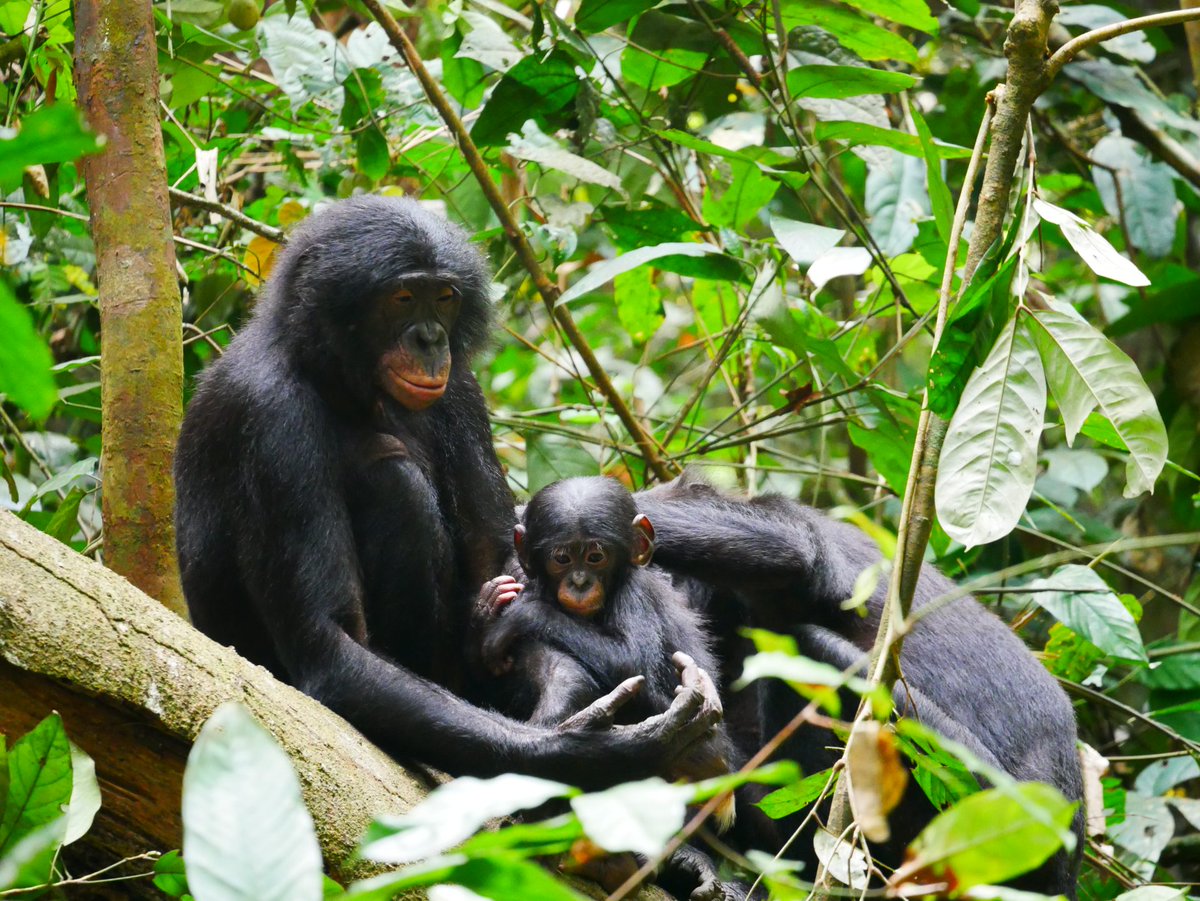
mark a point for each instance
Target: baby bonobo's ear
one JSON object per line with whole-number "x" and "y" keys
{"x": 643, "y": 540}
{"x": 519, "y": 544}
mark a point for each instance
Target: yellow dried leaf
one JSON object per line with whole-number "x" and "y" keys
{"x": 258, "y": 259}
{"x": 291, "y": 212}
{"x": 877, "y": 778}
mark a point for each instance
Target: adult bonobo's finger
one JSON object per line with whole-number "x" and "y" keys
{"x": 691, "y": 676}
{"x": 601, "y": 713}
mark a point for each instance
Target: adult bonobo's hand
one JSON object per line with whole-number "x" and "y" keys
{"x": 664, "y": 737}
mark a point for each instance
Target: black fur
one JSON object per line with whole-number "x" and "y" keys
{"x": 337, "y": 537}
{"x": 773, "y": 563}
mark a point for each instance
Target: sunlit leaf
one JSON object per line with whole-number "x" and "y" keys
{"x": 855, "y": 133}
{"x": 1101, "y": 257}
{"x": 853, "y": 31}
{"x": 535, "y": 88}
{"x": 603, "y": 273}
{"x": 786, "y": 801}
{"x": 804, "y": 241}
{"x": 1088, "y": 372}
{"x": 25, "y": 359}
{"x": 1138, "y": 191}
{"x": 989, "y": 458}
{"x": 635, "y": 816}
{"x": 246, "y": 833}
{"x": 85, "y": 796}
{"x": 1078, "y": 598}
{"x": 39, "y": 785}
{"x": 52, "y": 134}
{"x": 845, "y": 81}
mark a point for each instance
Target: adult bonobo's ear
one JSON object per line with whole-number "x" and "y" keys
{"x": 643, "y": 540}
{"x": 522, "y": 549}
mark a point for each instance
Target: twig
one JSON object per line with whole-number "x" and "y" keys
{"x": 237, "y": 217}
{"x": 547, "y": 289}
{"x": 1076, "y": 45}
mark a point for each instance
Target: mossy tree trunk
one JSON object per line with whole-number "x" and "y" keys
{"x": 141, "y": 362}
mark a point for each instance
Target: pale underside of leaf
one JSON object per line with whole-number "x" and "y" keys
{"x": 1088, "y": 372}
{"x": 989, "y": 458}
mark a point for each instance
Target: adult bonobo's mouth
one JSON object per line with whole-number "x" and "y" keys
{"x": 415, "y": 392}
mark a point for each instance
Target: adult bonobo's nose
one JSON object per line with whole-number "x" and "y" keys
{"x": 430, "y": 336}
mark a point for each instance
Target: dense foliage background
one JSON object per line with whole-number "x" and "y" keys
{"x": 748, "y": 209}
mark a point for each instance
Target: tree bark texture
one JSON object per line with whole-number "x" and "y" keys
{"x": 141, "y": 365}
{"x": 134, "y": 683}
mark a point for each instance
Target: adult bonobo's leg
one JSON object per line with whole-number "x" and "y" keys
{"x": 964, "y": 671}
{"x": 340, "y": 505}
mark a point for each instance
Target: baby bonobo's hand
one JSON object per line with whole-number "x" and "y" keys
{"x": 494, "y": 596}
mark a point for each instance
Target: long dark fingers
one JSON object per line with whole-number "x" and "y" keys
{"x": 601, "y": 713}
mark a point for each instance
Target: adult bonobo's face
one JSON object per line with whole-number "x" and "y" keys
{"x": 416, "y": 320}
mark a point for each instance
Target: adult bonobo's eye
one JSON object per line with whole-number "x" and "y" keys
{"x": 447, "y": 294}
{"x": 403, "y": 295}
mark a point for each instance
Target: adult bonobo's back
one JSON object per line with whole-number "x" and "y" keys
{"x": 340, "y": 504}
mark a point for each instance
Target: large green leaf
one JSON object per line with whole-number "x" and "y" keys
{"x": 639, "y": 303}
{"x": 791, "y": 798}
{"x": 30, "y": 862}
{"x": 665, "y": 50}
{"x": 53, "y": 134}
{"x": 992, "y": 836}
{"x": 853, "y": 31}
{"x": 1088, "y": 372}
{"x": 845, "y": 81}
{"x": 39, "y": 782}
{"x": 246, "y": 833}
{"x": 1078, "y": 598}
{"x": 749, "y": 190}
{"x": 913, "y": 13}
{"x": 989, "y": 458}
{"x": 535, "y": 88}
{"x": 804, "y": 241}
{"x": 855, "y": 133}
{"x": 1137, "y": 191}
{"x": 500, "y": 877}
{"x": 597, "y": 15}
{"x": 85, "y": 796}
{"x": 1093, "y": 248}
{"x": 939, "y": 195}
{"x": 25, "y": 359}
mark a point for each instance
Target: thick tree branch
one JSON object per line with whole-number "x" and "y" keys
{"x": 1075, "y": 46}
{"x": 549, "y": 292}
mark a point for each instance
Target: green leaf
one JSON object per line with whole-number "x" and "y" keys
{"x": 854, "y": 32}
{"x": 246, "y": 833}
{"x": 854, "y": 133}
{"x": 748, "y": 192}
{"x": 781, "y": 772}
{"x": 1078, "y": 598}
{"x": 897, "y": 199}
{"x": 25, "y": 359}
{"x": 1137, "y": 191}
{"x": 913, "y": 13}
{"x": 989, "y": 458}
{"x": 533, "y": 146}
{"x": 665, "y": 50}
{"x": 804, "y": 241}
{"x": 791, "y": 798}
{"x": 551, "y": 458}
{"x": 85, "y": 795}
{"x": 641, "y": 227}
{"x": 1093, "y": 248}
{"x": 499, "y": 877}
{"x": 833, "y": 82}
{"x": 635, "y": 816}
{"x": 939, "y": 194}
{"x": 452, "y": 813}
{"x": 52, "y": 134}
{"x": 597, "y": 15}
{"x": 30, "y": 862}
{"x": 374, "y": 160}
{"x": 765, "y": 156}
{"x": 603, "y": 273}
{"x": 992, "y": 836}
{"x": 534, "y": 88}
{"x": 639, "y": 303}
{"x": 170, "y": 875}
{"x": 1088, "y": 372}
{"x": 464, "y": 78}
{"x": 39, "y": 782}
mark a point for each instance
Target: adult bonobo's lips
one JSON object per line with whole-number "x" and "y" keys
{"x": 416, "y": 393}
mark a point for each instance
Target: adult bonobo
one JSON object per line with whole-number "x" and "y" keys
{"x": 340, "y": 504}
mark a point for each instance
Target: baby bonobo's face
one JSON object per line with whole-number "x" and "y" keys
{"x": 583, "y": 571}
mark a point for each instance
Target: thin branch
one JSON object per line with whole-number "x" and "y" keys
{"x": 549, "y": 292}
{"x": 237, "y": 217}
{"x": 1077, "y": 45}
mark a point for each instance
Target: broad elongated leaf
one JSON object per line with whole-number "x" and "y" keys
{"x": 53, "y": 134}
{"x": 1078, "y": 598}
{"x": 665, "y": 50}
{"x": 1138, "y": 191}
{"x": 939, "y": 195}
{"x": 991, "y": 836}
{"x": 1101, "y": 257}
{"x": 989, "y": 458}
{"x": 636, "y": 816}
{"x": 534, "y": 88}
{"x": 25, "y": 359}
{"x": 85, "y": 795}
{"x": 845, "y": 81}
{"x": 453, "y": 812}
{"x": 789, "y": 799}
{"x": 603, "y": 273}
{"x": 39, "y": 787}
{"x": 533, "y": 146}
{"x": 246, "y": 833}
{"x": 853, "y": 31}
{"x": 863, "y": 133}
{"x": 749, "y": 190}
{"x": 30, "y": 862}
{"x": 597, "y": 15}
{"x": 896, "y": 199}
{"x": 913, "y": 13}
{"x": 804, "y": 241}
{"x": 1088, "y": 372}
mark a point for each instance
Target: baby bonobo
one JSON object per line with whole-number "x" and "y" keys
{"x": 590, "y": 616}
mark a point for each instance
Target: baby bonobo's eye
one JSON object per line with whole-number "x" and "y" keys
{"x": 560, "y": 556}
{"x": 596, "y": 556}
